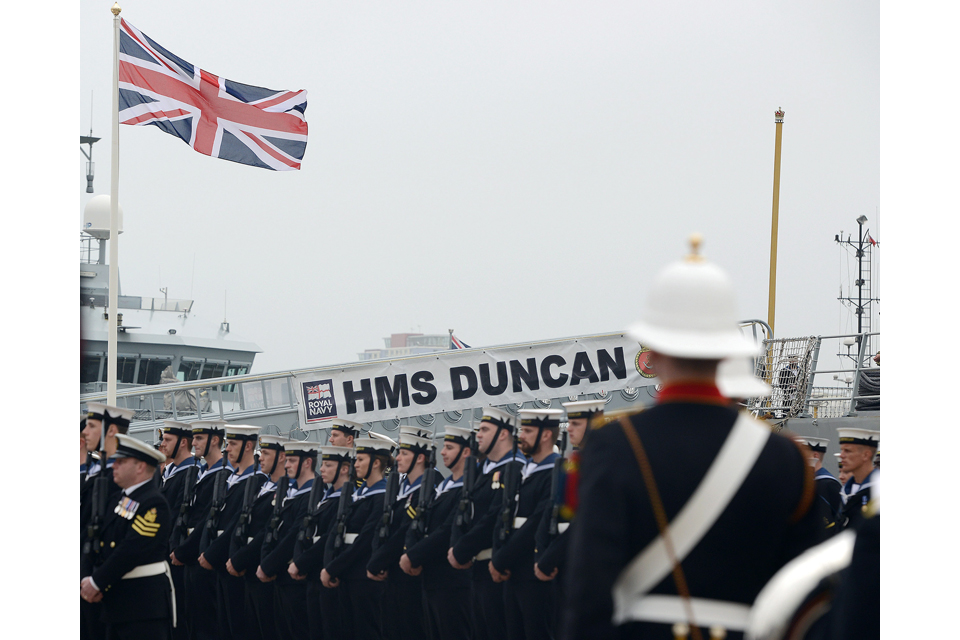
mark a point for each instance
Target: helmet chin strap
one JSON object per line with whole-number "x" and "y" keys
{"x": 459, "y": 455}
{"x": 276, "y": 459}
{"x": 493, "y": 442}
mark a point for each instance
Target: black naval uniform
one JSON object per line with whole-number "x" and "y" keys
{"x": 290, "y": 596}
{"x": 527, "y": 600}
{"x": 551, "y": 551}
{"x": 829, "y": 502}
{"x": 856, "y": 497}
{"x": 360, "y": 596}
{"x": 91, "y": 626}
{"x": 768, "y": 521}
{"x": 200, "y": 585}
{"x": 230, "y": 589}
{"x": 134, "y": 538}
{"x": 245, "y": 548}
{"x": 172, "y": 485}
{"x": 487, "y": 499}
{"x": 403, "y": 607}
{"x": 324, "y": 612}
{"x": 446, "y": 591}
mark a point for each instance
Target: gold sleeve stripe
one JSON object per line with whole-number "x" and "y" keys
{"x": 146, "y": 525}
{"x": 144, "y": 532}
{"x": 411, "y": 512}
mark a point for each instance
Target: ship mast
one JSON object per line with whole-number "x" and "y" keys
{"x": 862, "y": 304}
{"x": 772, "y": 300}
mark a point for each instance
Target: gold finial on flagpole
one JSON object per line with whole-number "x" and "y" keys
{"x": 695, "y": 241}
{"x": 115, "y": 9}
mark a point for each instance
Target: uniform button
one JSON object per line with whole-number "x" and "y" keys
{"x": 113, "y": 544}
{"x": 101, "y": 545}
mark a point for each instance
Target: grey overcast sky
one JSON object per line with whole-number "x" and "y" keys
{"x": 512, "y": 172}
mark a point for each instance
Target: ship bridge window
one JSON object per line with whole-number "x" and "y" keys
{"x": 90, "y": 368}
{"x": 212, "y": 370}
{"x": 189, "y": 370}
{"x": 234, "y": 370}
{"x": 126, "y": 367}
{"x": 151, "y": 369}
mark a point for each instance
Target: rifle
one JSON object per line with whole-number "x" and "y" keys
{"x": 427, "y": 493}
{"x": 344, "y": 507}
{"x": 313, "y": 508}
{"x": 390, "y": 498}
{"x": 246, "y": 509}
{"x": 216, "y": 504}
{"x": 555, "y": 493}
{"x": 98, "y": 501}
{"x": 465, "y": 507}
{"x": 189, "y": 493}
{"x": 510, "y": 493}
{"x": 278, "y": 497}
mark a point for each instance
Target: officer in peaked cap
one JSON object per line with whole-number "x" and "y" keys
{"x": 745, "y": 493}
{"x": 290, "y": 599}
{"x": 324, "y": 610}
{"x": 246, "y": 541}
{"x": 828, "y": 501}
{"x": 97, "y": 490}
{"x": 857, "y": 450}
{"x": 133, "y": 550}
{"x": 343, "y": 432}
{"x": 553, "y": 534}
{"x": 528, "y": 601}
{"x": 472, "y": 545}
{"x": 446, "y": 591}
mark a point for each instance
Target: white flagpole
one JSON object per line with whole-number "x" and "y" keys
{"x": 114, "y": 222}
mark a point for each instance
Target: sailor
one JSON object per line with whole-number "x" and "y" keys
{"x": 241, "y": 486}
{"x": 472, "y": 546}
{"x": 200, "y": 585}
{"x": 736, "y": 497}
{"x": 324, "y": 611}
{"x": 527, "y": 601}
{"x": 97, "y": 491}
{"x": 247, "y": 538}
{"x": 290, "y": 596}
{"x": 343, "y": 432}
{"x": 553, "y": 534}
{"x": 348, "y": 551}
{"x": 828, "y": 487}
{"x": 133, "y": 550}
{"x": 857, "y": 450}
{"x": 182, "y": 468}
{"x": 403, "y": 606}
{"x": 446, "y": 591}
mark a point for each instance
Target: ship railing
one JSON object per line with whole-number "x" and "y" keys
{"x": 792, "y": 366}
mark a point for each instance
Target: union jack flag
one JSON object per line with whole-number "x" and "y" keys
{"x": 217, "y": 117}
{"x": 456, "y": 343}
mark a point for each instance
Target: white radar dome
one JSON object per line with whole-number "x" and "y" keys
{"x": 96, "y": 217}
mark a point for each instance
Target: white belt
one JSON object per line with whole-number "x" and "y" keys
{"x": 706, "y": 613}
{"x": 350, "y": 538}
{"x": 155, "y": 569}
{"x": 562, "y": 526}
{"x": 518, "y": 522}
{"x": 486, "y": 554}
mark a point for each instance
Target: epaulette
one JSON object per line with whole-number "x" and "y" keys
{"x": 605, "y": 419}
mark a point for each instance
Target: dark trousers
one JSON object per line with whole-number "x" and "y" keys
{"x": 336, "y": 624}
{"x": 292, "y": 608}
{"x": 448, "y": 613}
{"x": 402, "y": 617}
{"x": 528, "y": 605}
{"x": 363, "y": 598}
{"x": 139, "y": 630}
{"x": 314, "y": 617}
{"x": 230, "y": 615}
{"x": 258, "y": 597}
{"x": 201, "y": 591}
{"x": 182, "y": 630}
{"x": 488, "y": 612}
{"x": 91, "y": 628}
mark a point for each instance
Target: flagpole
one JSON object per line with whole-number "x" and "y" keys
{"x": 772, "y": 300}
{"x": 114, "y": 222}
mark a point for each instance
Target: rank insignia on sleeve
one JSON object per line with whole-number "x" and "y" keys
{"x": 145, "y": 525}
{"x": 127, "y": 508}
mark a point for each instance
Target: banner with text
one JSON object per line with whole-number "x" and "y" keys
{"x": 468, "y": 378}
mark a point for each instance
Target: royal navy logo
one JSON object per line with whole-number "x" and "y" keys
{"x": 127, "y": 508}
{"x": 321, "y": 402}
{"x": 642, "y": 363}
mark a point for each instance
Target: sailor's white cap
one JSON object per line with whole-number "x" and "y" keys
{"x": 735, "y": 379}
{"x": 277, "y": 443}
{"x": 411, "y": 430}
{"x": 417, "y": 444}
{"x": 244, "y": 431}
{"x": 850, "y": 435}
{"x": 329, "y": 452}
{"x": 130, "y": 447}
{"x": 459, "y": 435}
{"x": 374, "y": 445}
{"x": 348, "y": 427}
{"x": 99, "y": 411}
{"x": 301, "y": 448}
{"x": 815, "y": 444}
{"x": 583, "y": 408}
{"x": 691, "y": 312}
{"x": 208, "y": 426}
{"x": 499, "y": 417}
{"x": 547, "y": 418}
{"x": 177, "y": 428}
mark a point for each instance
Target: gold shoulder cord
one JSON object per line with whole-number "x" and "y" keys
{"x": 661, "y": 516}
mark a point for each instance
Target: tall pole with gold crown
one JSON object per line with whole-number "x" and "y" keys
{"x": 772, "y": 304}
{"x": 112, "y": 321}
